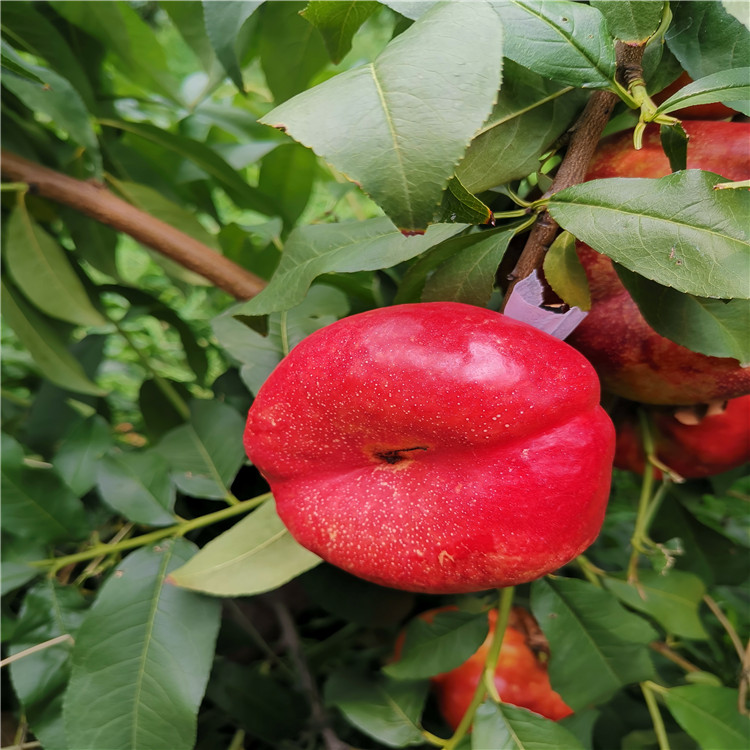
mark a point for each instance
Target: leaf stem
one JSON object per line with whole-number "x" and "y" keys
{"x": 34, "y": 649}
{"x": 656, "y": 720}
{"x": 179, "y": 529}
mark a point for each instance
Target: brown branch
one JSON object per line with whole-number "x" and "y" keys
{"x": 100, "y": 204}
{"x": 584, "y": 138}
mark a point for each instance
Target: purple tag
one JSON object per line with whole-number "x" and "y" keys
{"x": 526, "y": 303}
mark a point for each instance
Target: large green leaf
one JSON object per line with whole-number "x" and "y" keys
{"x": 709, "y": 715}
{"x": 631, "y": 21}
{"x": 39, "y": 680}
{"x": 565, "y": 41}
{"x": 370, "y": 122}
{"x": 672, "y": 599}
{"x": 715, "y": 327}
{"x": 36, "y": 503}
{"x": 440, "y": 645}
{"x": 17, "y": 553}
{"x": 530, "y": 113}
{"x": 727, "y": 86}
{"x": 291, "y": 50}
{"x": 142, "y": 657}
{"x": 596, "y": 646}
{"x": 138, "y": 486}
{"x": 224, "y": 26}
{"x": 706, "y": 39}
{"x": 205, "y": 454}
{"x": 386, "y": 709}
{"x": 43, "y": 272}
{"x": 338, "y": 21}
{"x": 81, "y": 451}
{"x": 507, "y": 727}
{"x": 313, "y": 250}
{"x": 676, "y": 230}
{"x": 257, "y": 554}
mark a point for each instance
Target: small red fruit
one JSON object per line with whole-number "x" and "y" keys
{"x": 718, "y": 443}
{"x": 521, "y": 676}
{"x": 633, "y": 361}
{"x": 713, "y": 111}
{"x": 435, "y": 447}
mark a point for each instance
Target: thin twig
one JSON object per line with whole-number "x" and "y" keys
{"x": 99, "y": 203}
{"x": 673, "y": 656}
{"x": 731, "y": 632}
{"x": 34, "y": 649}
{"x": 744, "y": 682}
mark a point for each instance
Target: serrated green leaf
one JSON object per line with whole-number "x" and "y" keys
{"x": 313, "y": 250}
{"x": 715, "y": 327}
{"x": 42, "y": 271}
{"x": 189, "y": 20}
{"x": 738, "y": 9}
{"x": 709, "y": 715}
{"x": 36, "y": 503}
{"x": 438, "y": 646}
{"x": 224, "y": 22}
{"x": 460, "y": 205}
{"x": 206, "y": 454}
{"x": 596, "y": 646}
{"x": 726, "y": 86}
{"x": 138, "y": 486}
{"x": 337, "y": 22}
{"x": 672, "y": 599}
{"x": 388, "y": 710}
{"x": 287, "y": 175}
{"x": 530, "y": 113}
{"x": 469, "y": 276}
{"x": 506, "y": 727}
{"x": 565, "y": 274}
{"x": 676, "y": 230}
{"x": 80, "y": 453}
{"x": 632, "y": 21}
{"x": 158, "y": 640}
{"x": 44, "y": 344}
{"x": 565, "y": 41}
{"x": 257, "y": 554}
{"x": 390, "y": 158}
{"x": 674, "y": 141}
{"x": 39, "y": 680}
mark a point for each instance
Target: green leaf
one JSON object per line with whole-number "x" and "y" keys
{"x": 206, "y": 454}
{"x": 80, "y": 453}
{"x": 709, "y": 715}
{"x": 131, "y": 43}
{"x": 138, "y": 486}
{"x": 236, "y": 187}
{"x": 596, "y": 646}
{"x": 507, "y": 727}
{"x": 159, "y": 414}
{"x": 337, "y": 22}
{"x": 530, "y": 114}
{"x": 632, "y": 21}
{"x": 188, "y": 18}
{"x": 672, "y": 599}
{"x": 388, "y": 710}
{"x": 674, "y": 141}
{"x": 257, "y": 554}
{"x": 42, "y": 271}
{"x": 565, "y": 41}
{"x": 17, "y": 552}
{"x": 469, "y": 276}
{"x": 224, "y": 27}
{"x": 676, "y": 230}
{"x": 565, "y": 274}
{"x": 738, "y": 9}
{"x": 726, "y": 86}
{"x": 313, "y": 250}
{"x": 715, "y": 327}
{"x": 439, "y": 646}
{"x": 706, "y": 39}
{"x": 287, "y": 175}
{"x": 36, "y": 503}
{"x": 291, "y": 50}
{"x": 44, "y": 344}
{"x": 158, "y": 642}
{"x": 460, "y": 205}
{"x": 39, "y": 680}
{"x": 390, "y": 157}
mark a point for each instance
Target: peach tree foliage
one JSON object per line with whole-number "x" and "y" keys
{"x": 340, "y": 156}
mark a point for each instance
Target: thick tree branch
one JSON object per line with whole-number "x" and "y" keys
{"x": 585, "y": 135}
{"x": 100, "y": 204}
